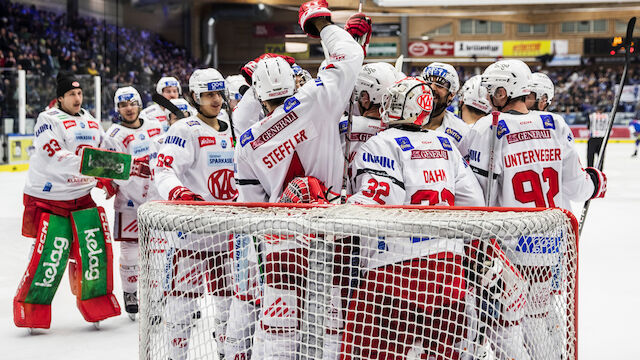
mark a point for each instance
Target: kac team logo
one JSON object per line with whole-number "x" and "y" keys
{"x": 220, "y": 185}
{"x": 425, "y": 101}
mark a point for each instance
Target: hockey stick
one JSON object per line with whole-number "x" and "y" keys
{"x": 165, "y": 103}
{"x": 627, "y": 45}
{"x": 492, "y": 150}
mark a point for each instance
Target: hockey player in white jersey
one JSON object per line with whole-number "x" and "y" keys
{"x": 236, "y": 86}
{"x": 536, "y": 166}
{"x": 299, "y": 137}
{"x": 57, "y": 205}
{"x": 542, "y": 91}
{"x": 475, "y": 101}
{"x": 445, "y": 83}
{"x": 405, "y": 165}
{"x": 170, "y": 88}
{"x": 195, "y": 162}
{"x": 135, "y": 136}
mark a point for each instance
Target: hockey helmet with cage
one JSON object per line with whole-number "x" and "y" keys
{"x": 408, "y": 102}
{"x": 273, "y": 79}
{"x": 512, "y": 75}
{"x": 303, "y": 75}
{"x": 443, "y": 75}
{"x": 206, "y": 80}
{"x": 375, "y": 79}
{"x": 167, "y": 81}
{"x": 542, "y": 85}
{"x": 127, "y": 93}
{"x": 234, "y": 83}
{"x": 182, "y": 105}
{"x": 475, "y": 95}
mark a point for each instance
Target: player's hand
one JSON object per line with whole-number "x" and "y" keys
{"x": 140, "y": 167}
{"x": 359, "y": 26}
{"x": 181, "y": 193}
{"x": 248, "y": 69}
{"x": 599, "y": 181}
{"x": 109, "y": 187}
{"x": 309, "y": 12}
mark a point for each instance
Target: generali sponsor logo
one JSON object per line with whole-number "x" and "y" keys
{"x": 528, "y": 135}
{"x": 274, "y": 129}
{"x": 429, "y": 154}
{"x": 69, "y": 123}
{"x": 206, "y": 140}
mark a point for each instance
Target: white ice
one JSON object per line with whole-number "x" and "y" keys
{"x": 609, "y": 287}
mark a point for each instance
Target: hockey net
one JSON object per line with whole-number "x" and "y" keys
{"x": 353, "y": 282}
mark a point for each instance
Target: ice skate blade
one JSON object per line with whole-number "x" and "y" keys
{"x": 96, "y": 325}
{"x": 132, "y": 316}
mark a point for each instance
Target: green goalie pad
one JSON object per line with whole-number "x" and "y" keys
{"x": 105, "y": 164}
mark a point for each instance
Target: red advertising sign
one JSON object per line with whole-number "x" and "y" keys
{"x": 430, "y": 48}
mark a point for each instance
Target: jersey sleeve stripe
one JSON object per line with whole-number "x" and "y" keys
{"x": 380, "y": 173}
{"x": 482, "y": 172}
{"x": 247, "y": 182}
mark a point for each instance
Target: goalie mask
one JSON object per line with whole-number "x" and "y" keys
{"x": 475, "y": 95}
{"x": 273, "y": 79}
{"x": 375, "y": 79}
{"x": 408, "y": 102}
{"x": 512, "y": 75}
{"x": 206, "y": 80}
{"x": 541, "y": 85}
{"x": 168, "y": 81}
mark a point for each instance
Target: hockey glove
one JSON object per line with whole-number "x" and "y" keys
{"x": 310, "y": 10}
{"x": 599, "y": 181}
{"x": 108, "y": 186}
{"x": 359, "y": 26}
{"x": 140, "y": 167}
{"x": 250, "y": 67}
{"x": 181, "y": 193}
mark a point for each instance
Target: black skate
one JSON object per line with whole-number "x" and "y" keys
{"x": 131, "y": 304}
{"x": 635, "y": 153}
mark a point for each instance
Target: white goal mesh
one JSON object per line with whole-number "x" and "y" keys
{"x": 350, "y": 282}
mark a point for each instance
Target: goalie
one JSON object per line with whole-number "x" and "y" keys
{"x": 63, "y": 218}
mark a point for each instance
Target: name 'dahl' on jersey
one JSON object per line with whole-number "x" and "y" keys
{"x": 432, "y": 176}
{"x": 274, "y": 130}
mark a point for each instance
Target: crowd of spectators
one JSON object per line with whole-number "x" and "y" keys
{"x": 44, "y": 43}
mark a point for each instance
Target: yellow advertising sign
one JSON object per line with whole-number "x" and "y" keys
{"x": 526, "y": 47}
{"x": 18, "y": 146}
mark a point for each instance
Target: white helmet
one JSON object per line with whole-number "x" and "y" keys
{"x": 273, "y": 79}
{"x": 168, "y": 81}
{"x": 299, "y": 71}
{"x": 375, "y": 79}
{"x": 234, "y": 83}
{"x": 542, "y": 85}
{"x": 183, "y": 105}
{"x": 409, "y": 102}
{"x": 475, "y": 95}
{"x": 445, "y": 72}
{"x": 206, "y": 80}
{"x": 127, "y": 93}
{"x": 512, "y": 75}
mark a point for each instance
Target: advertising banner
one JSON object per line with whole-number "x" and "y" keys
{"x": 478, "y": 48}
{"x": 19, "y": 148}
{"x": 430, "y": 48}
{"x": 520, "y": 48}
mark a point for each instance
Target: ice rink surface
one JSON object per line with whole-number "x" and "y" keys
{"x": 609, "y": 289}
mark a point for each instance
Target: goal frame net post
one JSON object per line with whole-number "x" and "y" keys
{"x": 361, "y": 282}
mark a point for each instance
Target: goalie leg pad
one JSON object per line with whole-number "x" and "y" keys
{"x": 129, "y": 268}
{"x": 32, "y": 303}
{"x": 91, "y": 251}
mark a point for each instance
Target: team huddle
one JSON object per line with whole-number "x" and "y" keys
{"x": 275, "y": 134}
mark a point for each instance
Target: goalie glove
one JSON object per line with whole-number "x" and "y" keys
{"x": 181, "y": 193}
{"x": 108, "y": 186}
{"x": 248, "y": 69}
{"x": 311, "y": 10}
{"x": 359, "y": 26}
{"x": 140, "y": 167}
{"x": 599, "y": 182}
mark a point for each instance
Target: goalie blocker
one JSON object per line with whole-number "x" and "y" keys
{"x": 62, "y": 232}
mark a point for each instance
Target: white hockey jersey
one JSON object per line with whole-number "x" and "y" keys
{"x": 454, "y": 127}
{"x": 399, "y": 167}
{"x": 198, "y": 157}
{"x": 139, "y": 143}
{"x": 54, "y": 168}
{"x": 301, "y": 137}
{"x": 536, "y": 164}
{"x": 247, "y": 112}
{"x": 362, "y": 129}
{"x": 155, "y": 112}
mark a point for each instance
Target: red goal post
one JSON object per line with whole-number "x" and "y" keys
{"x": 370, "y": 282}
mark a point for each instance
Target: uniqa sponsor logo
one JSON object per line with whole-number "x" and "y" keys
{"x": 93, "y": 273}
{"x": 60, "y": 244}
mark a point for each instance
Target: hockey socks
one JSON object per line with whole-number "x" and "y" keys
{"x": 32, "y": 303}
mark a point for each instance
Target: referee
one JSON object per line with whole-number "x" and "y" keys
{"x": 598, "y": 126}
